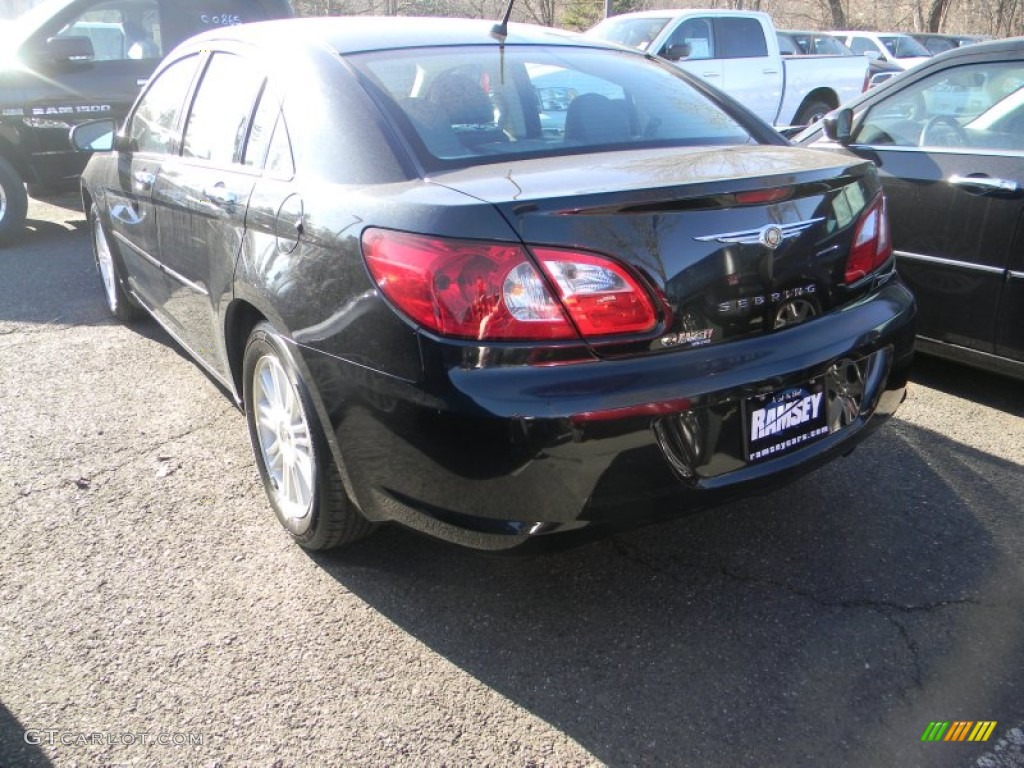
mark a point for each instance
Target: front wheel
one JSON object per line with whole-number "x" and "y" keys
{"x": 295, "y": 463}
{"x": 13, "y": 202}
{"x": 119, "y": 302}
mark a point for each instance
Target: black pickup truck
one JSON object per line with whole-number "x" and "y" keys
{"x": 68, "y": 61}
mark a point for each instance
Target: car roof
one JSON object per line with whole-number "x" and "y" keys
{"x": 360, "y": 34}
{"x": 1009, "y": 44}
{"x": 672, "y": 12}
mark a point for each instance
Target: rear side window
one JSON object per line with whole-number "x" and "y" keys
{"x": 470, "y": 105}
{"x": 152, "y": 126}
{"x": 221, "y": 109}
{"x": 739, "y": 38}
{"x": 862, "y": 45}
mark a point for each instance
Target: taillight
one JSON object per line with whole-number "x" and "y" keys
{"x": 872, "y": 246}
{"x": 601, "y": 296}
{"x": 494, "y": 291}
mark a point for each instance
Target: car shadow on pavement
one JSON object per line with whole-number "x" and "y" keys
{"x": 816, "y": 625}
{"x": 19, "y": 744}
{"x": 988, "y": 389}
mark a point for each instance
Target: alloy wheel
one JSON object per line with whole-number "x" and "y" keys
{"x": 284, "y": 437}
{"x": 105, "y": 262}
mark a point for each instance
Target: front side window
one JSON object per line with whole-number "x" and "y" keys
{"x": 478, "y": 105}
{"x": 119, "y": 30}
{"x": 696, "y": 35}
{"x": 152, "y": 125}
{"x": 221, "y": 110}
{"x": 977, "y": 106}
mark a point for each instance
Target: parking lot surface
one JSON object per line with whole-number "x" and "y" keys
{"x": 155, "y": 613}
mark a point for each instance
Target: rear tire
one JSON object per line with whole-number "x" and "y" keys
{"x": 812, "y": 112}
{"x": 291, "y": 451}
{"x": 120, "y": 304}
{"x": 13, "y": 202}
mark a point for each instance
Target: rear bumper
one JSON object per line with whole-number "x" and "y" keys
{"x": 491, "y": 457}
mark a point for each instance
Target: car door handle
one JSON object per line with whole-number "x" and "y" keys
{"x": 710, "y": 74}
{"x": 986, "y": 184}
{"x": 220, "y": 195}
{"x": 769, "y": 71}
{"x": 144, "y": 180}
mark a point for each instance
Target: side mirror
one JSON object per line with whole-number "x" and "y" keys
{"x": 838, "y": 125}
{"x": 73, "y": 48}
{"x": 95, "y": 136}
{"x": 873, "y": 55}
{"x": 880, "y": 77}
{"x": 676, "y": 51}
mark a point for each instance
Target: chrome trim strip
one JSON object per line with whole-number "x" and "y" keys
{"x": 1015, "y": 275}
{"x": 973, "y": 151}
{"x": 161, "y": 266}
{"x": 751, "y": 236}
{"x": 950, "y": 262}
{"x": 973, "y": 357}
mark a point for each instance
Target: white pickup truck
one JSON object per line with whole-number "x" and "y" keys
{"x": 737, "y": 52}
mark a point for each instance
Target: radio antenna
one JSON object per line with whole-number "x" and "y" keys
{"x": 500, "y": 31}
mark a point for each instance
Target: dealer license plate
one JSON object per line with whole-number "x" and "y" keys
{"x": 782, "y": 421}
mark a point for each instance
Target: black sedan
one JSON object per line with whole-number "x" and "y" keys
{"x": 948, "y": 138}
{"x": 447, "y": 299}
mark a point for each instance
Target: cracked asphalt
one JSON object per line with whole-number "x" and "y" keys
{"x": 153, "y": 612}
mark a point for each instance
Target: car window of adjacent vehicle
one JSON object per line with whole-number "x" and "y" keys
{"x": 152, "y": 126}
{"x": 904, "y": 46}
{"x": 223, "y": 104}
{"x": 184, "y": 18}
{"x": 119, "y": 30}
{"x": 696, "y": 35}
{"x": 740, "y": 38}
{"x": 974, "y": 106}
{"x": 631, "y": 31}
{"x": 827, "y": 45}
{"x": 481, "y": 104}
{"x": 862, "y": 45}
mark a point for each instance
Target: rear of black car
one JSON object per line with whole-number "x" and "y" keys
{"x": 657, "y": 323}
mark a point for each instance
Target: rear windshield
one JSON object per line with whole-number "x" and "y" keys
{"x": 473, "y": 104}
{"x": 904, "y": 46}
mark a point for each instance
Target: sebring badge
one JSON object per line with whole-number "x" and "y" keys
{"x": 770, "y": 236}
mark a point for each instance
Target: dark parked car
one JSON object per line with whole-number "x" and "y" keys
{"x": 948, "y": 138}
{"x": 436, "y": 312}
{"x": 68, "y": 61}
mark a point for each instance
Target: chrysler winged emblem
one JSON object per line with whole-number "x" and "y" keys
{"x": 770, "y": 235}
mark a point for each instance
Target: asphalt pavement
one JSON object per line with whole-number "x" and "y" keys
{"x": 153, "y": 612}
